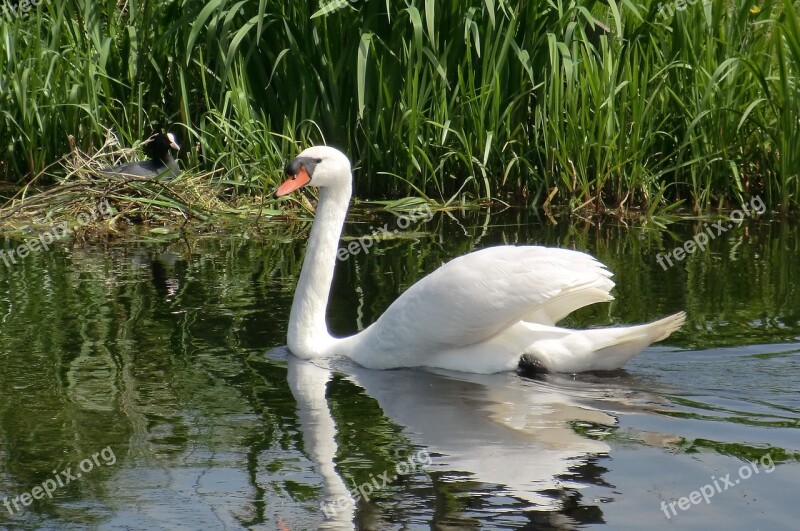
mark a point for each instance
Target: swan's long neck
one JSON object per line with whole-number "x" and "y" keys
{"x": 308, "y": 335}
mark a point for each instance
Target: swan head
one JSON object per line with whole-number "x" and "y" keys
{"x": 321, "y": 166}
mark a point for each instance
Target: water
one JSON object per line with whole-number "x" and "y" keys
{"x": 153, "y": 367}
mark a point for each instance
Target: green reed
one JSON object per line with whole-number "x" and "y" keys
{"x": 571, "y": 102}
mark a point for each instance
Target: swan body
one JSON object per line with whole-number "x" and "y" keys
{"x": 489, "y": 311}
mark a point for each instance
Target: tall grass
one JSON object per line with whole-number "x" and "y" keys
{"x": 573, "y": 102}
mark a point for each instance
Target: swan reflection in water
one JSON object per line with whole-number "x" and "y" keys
{"x": 501, "y": 429}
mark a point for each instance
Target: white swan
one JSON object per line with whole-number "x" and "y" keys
{"x": 488, "y": 311}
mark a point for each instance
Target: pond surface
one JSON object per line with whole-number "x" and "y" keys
{"x": 143, "y": 386}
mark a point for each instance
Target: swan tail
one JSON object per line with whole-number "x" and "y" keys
{"x": 622, "y": 344}
{"x": 600, "y": 349}
{"x": 666, "y": 326}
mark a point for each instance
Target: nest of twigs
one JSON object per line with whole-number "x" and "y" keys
{"x": 113, "y": 202}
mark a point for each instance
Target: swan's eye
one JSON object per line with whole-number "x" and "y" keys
{"x": 317, "y": 161}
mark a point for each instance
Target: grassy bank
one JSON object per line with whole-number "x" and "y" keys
{"x": 583, "y": 104}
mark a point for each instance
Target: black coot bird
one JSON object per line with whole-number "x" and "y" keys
{"x": 159, "y": 163}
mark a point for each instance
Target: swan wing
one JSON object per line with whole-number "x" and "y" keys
{"x": 476, "y": 296}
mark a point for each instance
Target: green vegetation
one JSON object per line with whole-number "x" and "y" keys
{"x": 575, "y": 103}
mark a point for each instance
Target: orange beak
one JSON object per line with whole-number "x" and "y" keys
{"x": 298, "y": 181}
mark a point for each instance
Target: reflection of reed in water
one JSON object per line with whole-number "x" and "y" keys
{"x": 97, "y": 348}
{"x": 91, "y": 376}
